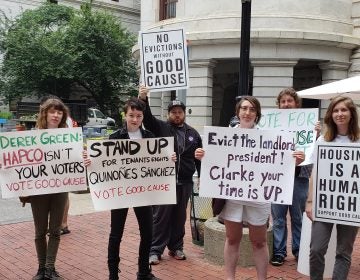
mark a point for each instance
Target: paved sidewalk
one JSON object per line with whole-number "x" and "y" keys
{"x": 82, "y": 253}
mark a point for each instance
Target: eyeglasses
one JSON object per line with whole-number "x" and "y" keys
{"x": 244, "y": 109}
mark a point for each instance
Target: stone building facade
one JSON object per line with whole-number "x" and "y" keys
{"x": 297, "y": 44}
{"x": 127, "y": 10}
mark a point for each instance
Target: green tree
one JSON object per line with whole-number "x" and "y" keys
{"x": 50, "y": 49}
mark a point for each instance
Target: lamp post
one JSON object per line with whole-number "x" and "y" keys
{"x": 243, "y": 88}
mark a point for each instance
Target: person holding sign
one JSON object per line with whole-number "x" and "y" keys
{"x": 48, "y": 209}
{"x": 169, "y": 220}
{"x": 342, "y": 126}
{"x": 70, "y": 123}
{"x": 236, "y": 213}
{"x": 288, "y": 99}
{"x": 134, "y": 115}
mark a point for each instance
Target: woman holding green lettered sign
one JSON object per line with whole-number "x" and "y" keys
{"x": 254, "y": 214}
{"x": 342, "y": 126}
{"x": 48, "y": 209}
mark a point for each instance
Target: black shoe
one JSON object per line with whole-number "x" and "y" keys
{"x": 148, "y": 276}
{"x": 114, "y": 273}
{"x": 40, "y": 275}
{"x": 277, "y": 260}
{"x": 52, "y": 274}
{"x": 65, "y": 230}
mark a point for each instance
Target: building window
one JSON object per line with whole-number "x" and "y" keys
{"x": 167, "y": 9}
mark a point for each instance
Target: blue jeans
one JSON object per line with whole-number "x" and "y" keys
{"x": 279, "y": 212}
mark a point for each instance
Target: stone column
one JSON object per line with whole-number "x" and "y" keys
{"x": 354, "y": 69}
{"x": 331, "y": 72}
{"x": 199, "y": 95}
{"x": 270, "y": 77}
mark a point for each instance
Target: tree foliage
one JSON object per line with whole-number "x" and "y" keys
{"x": 53, "y": 48}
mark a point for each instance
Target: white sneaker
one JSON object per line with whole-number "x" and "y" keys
{"x": 154, "y": 259}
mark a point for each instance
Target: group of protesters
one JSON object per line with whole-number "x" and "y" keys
{"x": 160, "y": 226}
{"x": 341, "y": 126}
{"x": 163, "y": 226}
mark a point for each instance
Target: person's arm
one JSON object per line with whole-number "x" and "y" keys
{"x": 318, "y": 129}
{"x": 198, "y": 157}
{"x": 199, "y": 153}
{"x": 308, "y": 208}
{"x": 299, "y": 157}
{"x": 174, "y": 157}
{"x": 86, "y": 159}
{"x": 150, "y": 122}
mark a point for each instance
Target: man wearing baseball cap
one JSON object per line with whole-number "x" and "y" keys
{"x": 169, "y": 220}
{"x": 176, "y": 103}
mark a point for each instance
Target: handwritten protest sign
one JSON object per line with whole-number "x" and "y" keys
{"x": 130, "y": 173}
{"x": 301, "y": 121}
{"x": 247, "y": 164}
{"x": 41, "y": 161}
{"x": 336, "y": 186}
{"x": 164, "y": 62}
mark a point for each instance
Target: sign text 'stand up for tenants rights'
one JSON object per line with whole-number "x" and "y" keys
{"x": 248, "y": 164}
{"x": 336, "y": 186}
{"x": 164, "y": 63}
{"x": 131, "y": 173}
{"x": 41, "y": 161}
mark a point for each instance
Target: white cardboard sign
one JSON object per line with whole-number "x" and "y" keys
{"x": 164, "y": 61}
{"x": 131, "y": 173}
{"x": 336, "y": 183}
{"x": 41, "y": 161}
{"x": 247, "y": 164}
{"x": 301, "y": 121}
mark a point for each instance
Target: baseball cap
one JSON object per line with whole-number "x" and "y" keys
{"x": 176, "y": 103}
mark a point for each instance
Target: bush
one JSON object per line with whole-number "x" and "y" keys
{"x": 5, "y": 115}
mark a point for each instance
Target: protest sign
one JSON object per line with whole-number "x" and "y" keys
{"x": 301, "y": 121}
{"x": 247, "y": 164}
{"x": 336, "y": 184}
{"x": 164, "y": 61}
{"x": 131, "y": 173}
{"x": 41, "y": 161}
